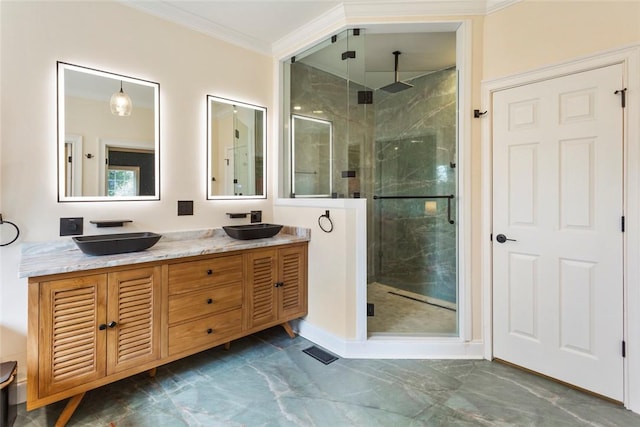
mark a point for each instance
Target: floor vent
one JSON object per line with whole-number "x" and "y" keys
{"x": 320, "y": 355}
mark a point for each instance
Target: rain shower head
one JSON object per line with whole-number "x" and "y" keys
{"x": 397, "y": 85}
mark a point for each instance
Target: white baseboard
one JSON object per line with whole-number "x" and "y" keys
{"x": 392, "y": 347}
{"x": 21, "y": 389}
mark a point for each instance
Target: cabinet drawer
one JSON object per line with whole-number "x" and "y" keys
{"x": 194, "y": 275}
{"x": 210, "y": 331}
{"x": 204, "y": 302}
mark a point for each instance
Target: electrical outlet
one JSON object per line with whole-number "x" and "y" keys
{"x": 71, "y": 226}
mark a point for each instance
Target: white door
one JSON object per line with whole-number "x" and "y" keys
{"x": 557, "y": 191}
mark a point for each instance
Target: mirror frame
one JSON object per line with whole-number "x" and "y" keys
{"x": 210, "y": 166}
{"x": 62, "y": 197}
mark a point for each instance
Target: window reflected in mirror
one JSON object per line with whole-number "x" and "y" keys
{"x": 311, "y": 152}
{"x": 108, "y": 136}
{"x": 236, "y": 146}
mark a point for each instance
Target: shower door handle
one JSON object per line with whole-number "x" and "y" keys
{"x": 501, "y": 238}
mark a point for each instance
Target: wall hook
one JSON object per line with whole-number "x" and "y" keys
{"x": 477, "y": 114}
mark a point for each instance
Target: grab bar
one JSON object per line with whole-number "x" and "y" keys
{"x": 448, "y": 197}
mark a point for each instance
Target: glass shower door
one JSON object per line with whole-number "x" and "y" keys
{"x": 415, "y": 286}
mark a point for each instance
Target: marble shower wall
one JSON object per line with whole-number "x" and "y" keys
{"x": 413, "y": 245}
{"x": 402, "y": 144}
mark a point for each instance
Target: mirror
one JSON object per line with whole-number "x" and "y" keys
{"x": 236, "y": 147}
{"x": 311, "y": 151}
{"x": 108, "y": 136}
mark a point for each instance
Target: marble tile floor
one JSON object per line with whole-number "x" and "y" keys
{"x": 398, "y": 311}
{"x": 266, "y": 380}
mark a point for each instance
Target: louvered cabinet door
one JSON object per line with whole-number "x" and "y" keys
{"x": 292, "y": 292}
{"x": 262, "y": 298}
{"x": 71, "y": 344}
{"x": 133, "y": 318}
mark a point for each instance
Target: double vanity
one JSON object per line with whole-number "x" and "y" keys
{"x": 104, "y": 307}
{"x": 94, "y": 320}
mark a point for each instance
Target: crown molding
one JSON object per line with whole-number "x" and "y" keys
{"x": 338, "y": 18}
{"x": 496, "y": 5}
{"x": 176, "y": 15}
{"x": 354, "y": 13}
{"x": 333, "y": 20}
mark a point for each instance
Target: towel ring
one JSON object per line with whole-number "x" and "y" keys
{"x": 14, "y": 226}
{"x": 325, "y": 223}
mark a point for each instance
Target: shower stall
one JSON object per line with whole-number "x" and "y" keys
{"x": 374, "y": 115}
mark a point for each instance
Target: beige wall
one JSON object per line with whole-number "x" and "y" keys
{"x": 536, "y": 33}
{"x": 112, "y": 37}
{"x": 331, "y": 263}
{"x": 188, "y": 66}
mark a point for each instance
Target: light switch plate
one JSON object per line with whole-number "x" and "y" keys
{"x": 185, "y": 207}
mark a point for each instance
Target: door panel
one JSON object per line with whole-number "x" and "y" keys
{"x": 134, "y": 301}
{"x": 558, "y": 156}
{"x": 72, "y": 346}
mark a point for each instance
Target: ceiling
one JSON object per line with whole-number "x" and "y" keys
{"x": 280, "y": 28}
{"x": 271, "y": 26}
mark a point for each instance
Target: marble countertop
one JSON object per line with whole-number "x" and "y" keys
{"x": 63, "y": 256}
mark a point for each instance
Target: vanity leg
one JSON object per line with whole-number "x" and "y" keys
{"x": 152, "y": 372}
{"x": 227, "y": 345}
{"x": 68, "y": 410}
{"x": 287, "y": 328}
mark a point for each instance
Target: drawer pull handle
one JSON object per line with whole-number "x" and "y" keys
{"x": 209, "y": 331}
{"x": 112, "y": 324}
{"x": 102, "y": 327}
{"x": 209, "y": 272}
{"x": 209, "y": 301}
{"x": 279, "y": 284}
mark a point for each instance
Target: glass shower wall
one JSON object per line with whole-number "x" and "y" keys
{"x": 324, "y": 84}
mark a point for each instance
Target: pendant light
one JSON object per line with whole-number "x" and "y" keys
{"x": 120, "y": 103}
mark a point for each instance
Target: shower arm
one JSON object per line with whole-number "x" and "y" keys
{"x": 449, "y": 198}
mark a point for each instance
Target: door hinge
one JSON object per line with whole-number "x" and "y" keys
{"x": 370, "y": 310}
{"x": 348, "y": 54}
{"x": 491, "y": 237}
{"x": 622, "y": 223}
{"x": 624, "y": 349}
{"x": 623, "y": 96}
{"x": 69, "y": 159}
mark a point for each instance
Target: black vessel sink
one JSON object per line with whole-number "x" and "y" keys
{"x": 252, "y": 231}
{"x": 106, "y": 244}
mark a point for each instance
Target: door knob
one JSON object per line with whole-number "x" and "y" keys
{"x": 501, "y": 238}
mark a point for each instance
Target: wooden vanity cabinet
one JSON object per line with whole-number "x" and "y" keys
{"x": 276, "y": 286}
{"x": 90, "y": 327}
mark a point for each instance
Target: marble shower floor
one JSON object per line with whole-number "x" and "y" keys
{"x": 266, "y": 380}
{"x": 398, "y": 311}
